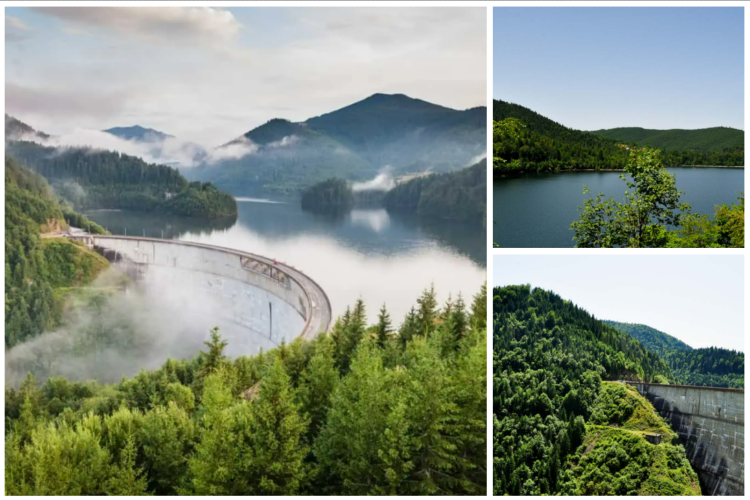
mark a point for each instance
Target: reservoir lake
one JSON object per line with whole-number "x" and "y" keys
{"x": 536, "y": 210}
{"x": 366, "y": 253}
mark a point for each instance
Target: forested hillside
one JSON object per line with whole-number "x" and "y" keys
{"x": 38, "y": 272}
{"x": 460, "y": 195}
{"x": 550, "y": 358}
{"x": 651, "y": 338}
{"x": 543, "y": 145}
{"x": 333, "y": 192}
{"x": 353, "y": 143}
{"x": 712, "y": 140}
{"x": 711, "y": 366}
{"x": 106, "y": 179}
{"x": 363, "y": 410}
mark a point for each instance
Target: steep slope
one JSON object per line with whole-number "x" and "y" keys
{"x": 38, "y": 272}
{"x": 353, "y": 143}
{"x": 137, "y": 133}
{"x": 616, "y": 459}
{"x": 711, "y": 366}
{"x": 550, "y": 358}
{"x": 651, "y": 338}
{"x": 713, "y": 139}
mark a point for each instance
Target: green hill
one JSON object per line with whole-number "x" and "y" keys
{"x": 651, "y": 338}
{"x": 714, "y": 140}
{"x": 710, "y": 366}
{"x": 543, "y": 145}
{"x": 550, "y": 358}
{"x": 352, "y": 143}
{"x": 39, "y": 272}
{"x": 460, "y": 195}
{"x": 616, "y": 459}
{"x": 107, "y": 179}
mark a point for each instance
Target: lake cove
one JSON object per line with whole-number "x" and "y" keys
{"x": 536, "y": 210}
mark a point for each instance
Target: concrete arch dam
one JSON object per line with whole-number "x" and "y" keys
{"x": 711, "y": 424}
{"x": 256, "y": 302}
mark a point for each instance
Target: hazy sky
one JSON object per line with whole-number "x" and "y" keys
{"x": 606, "y": 67}
{"x": 697, "y": 299}
{"x": 211, "y": 74}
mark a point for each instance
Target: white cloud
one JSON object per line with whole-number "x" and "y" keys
{"x": 173, "y": 25}
{"x": 233, "y": 151}
{"x": 384, "y": 181}
{"x": 313, "y": 61}
{"x": 15, "y": 23}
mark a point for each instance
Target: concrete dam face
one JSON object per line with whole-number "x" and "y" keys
{"x": 256, "y": 302}
{"x": 711, "y": 424}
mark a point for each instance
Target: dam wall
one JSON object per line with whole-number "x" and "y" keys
{"x": 710, "y": 422}
{"x": 263, "y": 301}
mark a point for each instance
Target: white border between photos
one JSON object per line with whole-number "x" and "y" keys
{"x": 499, "y": 252}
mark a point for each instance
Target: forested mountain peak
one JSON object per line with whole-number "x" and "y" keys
{"x": 137, "y": 133}
{"x": 273, "y": 130}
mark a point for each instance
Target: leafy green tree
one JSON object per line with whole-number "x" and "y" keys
{"x": 651, "y": 204}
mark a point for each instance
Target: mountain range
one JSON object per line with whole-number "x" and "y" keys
{"x": 397, "y": 132}
{"x": 394, "y": 132}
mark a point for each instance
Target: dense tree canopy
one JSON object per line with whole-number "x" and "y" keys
{"x": 542, "y": 145}
{"x": 550, "y": 358}
{"x": 711, "y": 366}
{"x": 363, "y": 410}
{"x": 107, "y": 179}
{"x": 460, "y": 195}
{"x": 37, "y": 269}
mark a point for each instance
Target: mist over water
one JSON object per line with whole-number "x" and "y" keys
{"x": 365, "y": 253}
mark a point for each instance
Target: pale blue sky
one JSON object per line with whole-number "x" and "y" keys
{"x": 209, "y": 74}
{"x": 591, "y": 68}
{"x": 697, "y": 299}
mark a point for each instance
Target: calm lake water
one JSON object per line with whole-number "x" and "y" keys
{"x": 535, "y": 211}
{"x": 367, "y": 253}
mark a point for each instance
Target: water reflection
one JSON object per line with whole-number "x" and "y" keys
{"x": 363, "y": 253}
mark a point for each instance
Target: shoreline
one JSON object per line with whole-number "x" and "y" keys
{"x": 606, "y": 170}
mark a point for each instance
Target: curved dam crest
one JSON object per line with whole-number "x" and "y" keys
{"x": 271, "y": 301}
{"x": 710, "y": 422}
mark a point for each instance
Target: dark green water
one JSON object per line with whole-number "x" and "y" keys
{"x": 367, "y": 253}
{"x": 535, "y": 211}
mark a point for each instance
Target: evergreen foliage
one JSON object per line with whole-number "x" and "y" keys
{"x": 712, "y": 140}
{"x": 550, "y": 358}
{"x": 332, "y": 192}
{"x": 347, "y": 413}
{"x": 36, "y": 268}
{"x": 107, "y": 179}
{"x": 711, "y": 366}
{"x": 460, "y": 195}
{"x": 542, "y": 145}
